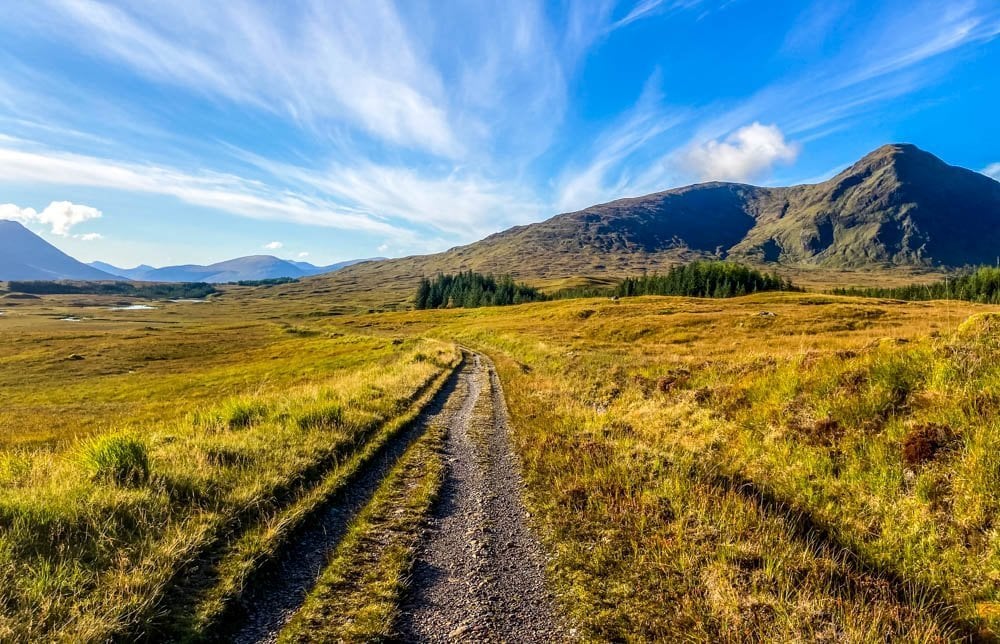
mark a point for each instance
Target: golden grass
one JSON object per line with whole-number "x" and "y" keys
{"x": 698, "y": 466}
{"x": 88, "y": 556}
{"x": 699, "y": 469}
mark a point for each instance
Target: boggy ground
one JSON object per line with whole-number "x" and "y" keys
{"x": 777, "y": 467}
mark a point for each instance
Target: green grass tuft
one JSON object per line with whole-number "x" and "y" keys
{"x": 116, "y": 458}
{"x": 241, "y": 413}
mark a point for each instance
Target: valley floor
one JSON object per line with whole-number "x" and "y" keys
{"x": 791, "y": 467}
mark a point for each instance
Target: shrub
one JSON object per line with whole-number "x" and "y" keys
{"x": 328, "y": 417}
{"x": 116, "y": 458}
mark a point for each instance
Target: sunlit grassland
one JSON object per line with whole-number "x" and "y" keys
{"x": 145, "y": 366}
{"x": 745, "y": 469}
{"x": 776, "y": 467}
{"x": 219, "y": 447}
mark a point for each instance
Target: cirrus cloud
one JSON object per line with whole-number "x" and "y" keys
{"x": 275, "y": 245}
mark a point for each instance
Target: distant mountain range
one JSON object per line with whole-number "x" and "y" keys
{"x": 26, "y": 256}
{"x": 254, "y": 267}
{"x": 899, "y": 206}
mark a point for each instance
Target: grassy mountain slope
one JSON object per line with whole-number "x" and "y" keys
{"x": 898, "y": 206}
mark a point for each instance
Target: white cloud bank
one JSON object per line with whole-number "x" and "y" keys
{"x": 992, "y": 170}
{"x": 60, "y": 216}
{"x": 747, "y": 154}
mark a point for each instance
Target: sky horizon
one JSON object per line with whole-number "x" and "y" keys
{"x": 194, "y": 132}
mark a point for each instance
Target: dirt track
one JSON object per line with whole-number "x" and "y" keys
{"x": 479, "y": 572}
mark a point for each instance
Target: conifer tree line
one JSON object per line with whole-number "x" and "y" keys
{"x": 126, "y": 289}
{"x": 704, "y": 279}
{"x": 981, "y": 285}
{"x": 471, "y": 290}
{"x": 697, "y": 279}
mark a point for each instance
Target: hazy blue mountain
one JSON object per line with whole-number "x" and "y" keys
{"x": 255, "y": 267}
{"x": 136, "y": 273}
{"x": 26, "y": 256}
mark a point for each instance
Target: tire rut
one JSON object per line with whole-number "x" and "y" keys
{"x": 281, "y": 587}
{"x": 479, "y": 575}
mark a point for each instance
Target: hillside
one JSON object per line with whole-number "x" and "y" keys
{"x": 26, "y": 256}
{"x": 898, "y": 209}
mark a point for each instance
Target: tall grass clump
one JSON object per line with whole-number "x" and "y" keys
{"x": 116, "y": 458}
{"x": 240, "y": 413}
{"x": 329, "y": 416}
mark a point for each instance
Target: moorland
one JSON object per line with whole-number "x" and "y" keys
{"x": 776, "y": 466}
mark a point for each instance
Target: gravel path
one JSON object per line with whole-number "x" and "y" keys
{"x": 279, "y": 591}
{"x": 480, "y": 574}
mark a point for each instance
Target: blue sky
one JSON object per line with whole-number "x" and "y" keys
{"x": 193, "y": 131}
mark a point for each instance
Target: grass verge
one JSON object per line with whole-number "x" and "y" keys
{"x": 93, "y": 536}
{"x": 357, "y": 596}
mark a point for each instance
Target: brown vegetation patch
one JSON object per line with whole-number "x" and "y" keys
{"x": 852, "y": 381}
{"x": 825, "y": 431}
{"x": 924, "y": 442}
{"x": 674, "y": 379}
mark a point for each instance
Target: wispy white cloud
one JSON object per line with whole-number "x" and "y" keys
{"x": 353, "y": 61}
{"x": 59, "y": 216}
{"x": 460, "y": 203}
{"x": 992, "y": 170}
{"x": 275, "y": 245}
{"x": 747, "y": 154}
{"x": 890, "y": 58}
{"x": 607, "y": 174}
{"x": 227, "y": 193}
{"x": 648, "y": 8}
{"x": 303, "y": 255}
{"x": 89, "y": 236}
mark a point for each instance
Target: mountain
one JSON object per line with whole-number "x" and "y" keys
{"x": 897, "y": 207}
{"x": 128, "y": 273}
{"x": 255, "y": 267}
{"x": 26, "y": 256}
{"x": 312, "y": 269}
